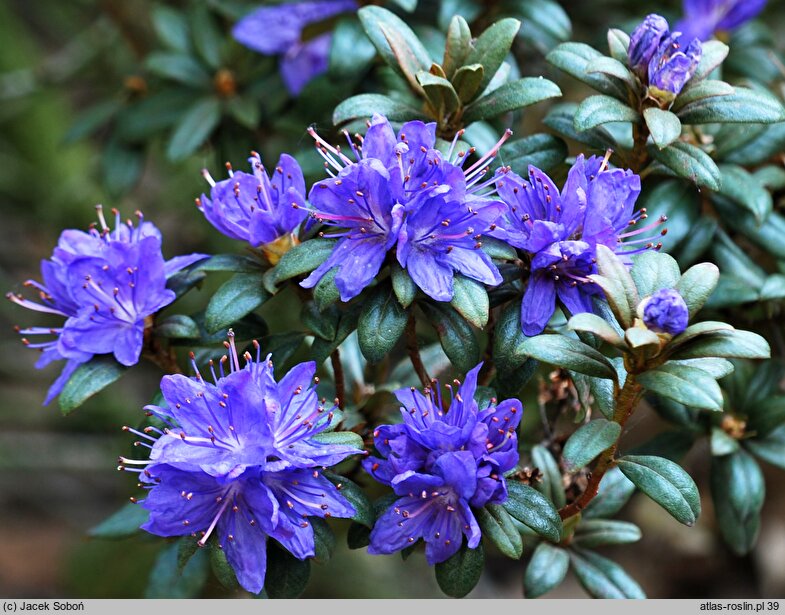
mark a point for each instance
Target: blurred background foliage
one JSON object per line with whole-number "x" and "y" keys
{"x": 123, "y": 103}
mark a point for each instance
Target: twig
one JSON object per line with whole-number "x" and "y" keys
{"x": 340, "y": 382}
{"x": 414, "y": 352}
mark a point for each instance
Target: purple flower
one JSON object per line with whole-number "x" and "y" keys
{"x": 644, "y": 42}
{"x": 672, "y": 66}
{"x": 666, "y": 312}
{"x": 404, "y": 191}
{"x": 107, "y": 284}
{"x": 702, "y": 18}
{"x": 254, "y": 207}
{"x": 238, "y": 458}
{"x": 277, "y": 30}
{"x": 442, "y": 464}
{"x": 560, "y": 231}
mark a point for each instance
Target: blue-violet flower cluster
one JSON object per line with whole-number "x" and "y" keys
{"x": 402, "y": 192}
{"x": 442, "y": 464}
{"x": 562, "y": 230}
{"x": 666, "y": 312}
{"x": 278, "y": 30}
{"x": 107, "y": 284}
{"x": 238, "y": 459}
{"x": 664, "y": 60}
{"x": 703, "y": 18}
{"x": 253, "y": 207}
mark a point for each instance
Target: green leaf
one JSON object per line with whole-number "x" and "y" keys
{"x": 593, "y": 533}
{"x": 696, "y": 285}
{"x": 326, "y": 293}
{"x": 470, "y": 299}
{"x": 653, "y": 271}
{"x": 363, "y": 509}
{"x": 570, "y": 353}
{"x": 286, "y": 576}
{"x": 618, "y": 284}
{"x": 744, "y": 189}
{"x": 771, "y": 448}
{"x": 122, "y": 524}
{"x": 618, "y": 44}
{"x": 602, "y": 578}
{"x": 643, "y": 340}
{"x": 722, "y": 443}
{"x": 363, "y": 106}
{"x": 666, "y": 483}
{"x": 351, "y": 50}
{"x": 614, "y": 68}
{"x": 178, "y": 67}
{"x": 687, "y": 385}
{"x": 167, "y": 581}
{"x": 700, "y": 237}
{"x": 381, "y": 324}
{"x": 121, "y": 166}
{"x": 576, "y": 59}
{"x": 321, "y": 348}
{"x": 455, "y": 334}
{"x": 302, "y": 258}
{"x": 587, "y": 442}
{"x": 177, "y": 326}
{"x": 171, "y": 27}
{"x": 767, "y": 414}
{"x": 745, "y": 105}
{"x": 222, "y": 569}
{"x": 492, "y": 46}
{"x": 403, "y": 285}
{"x": 208, "y": 39}
{"x": 541, "y": 150}
{"x": 664, "y": 126}
{"x": 546, "y": 570}
{"x": 324, "y": 540}
{"x": 245, "y": 110}
{"x": 615, "y": 491}
{"x": 186, "y": 549}
{"x": 440, "y": 93}
{"x": 340, "y": 438}
{"x": 235, "y": 263}
{"x": 511, "y": 96}
{"x": 560, "y": 119}
{"x": 498, "y": 250}
{"x": 236, "y": 297}
{"x": 528, "y": 506}
{"x": 738, "y": 492}
{"x": 544, "y": 23}
{"x": 497, "y": 525}
{"x": 457, "y": 47}
{"x": 733, "y": 344}
{"x": 551, "y": 485}
{"x": 701, "y": 90}
{"x": 592, "y": 323}
{"x": 458, "y": 575}
{"x": 712, "y": 55}
{"x": 689, "y": 162}
{"x": 88, "y": 379}
{"x": 396, "y": 43}
{"x": 467, "y": 80}
{"x": 193, "y": 128}
{"x": 716, "y": 368}
{"x": 601, "y": 109}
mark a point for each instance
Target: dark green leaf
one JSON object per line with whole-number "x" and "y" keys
{"x": 738, "y": 492}
{"x": 492, "y": 46}
{"x": 593, "y": 533}
{"x": 167, "y": 581}
{"x": 666, "y": 483}
{"x": 193, "y": 128}
{"x": 745, "y": 105}
{"x": 614, "y": 68}
{"x": 363, "y": 510}
{"x": 122, "y": 524}
{"x": 601, "y": 109}
{"x": 222, "y": 569}
{"x": 286, "y": 576}
{"x": 618, "y": 44}
{"x": 684, "y": 384}
{"x": 326, "y": 293}
{"x": 121, "y": 166}
{"x": 560, "y": 119}
{"x": 541, "y": 150}
{"x": 497, "y": 525}
{"x": 403, "y": 286}
{"x": 588, "y": 441}
{"x": 653, "y": 271}
{"x": 92, "y": 119}
{"x": 455, "y": 334}
{"x": 712, "y": 54}
{"x": 236, "y": 297}
{"x": 689, "y": 162}
{"x": 767, "y": 414}
{"x": 618, "y": 284}
{"x": 701, "y": 90}
{"x": 171, "y": 28}
{"x": 467, "y": 80}
{"x": 324, "y": 540}
{"x": 177, "y": 326}
{"x": 187, "y": 547}
{"x": 236, "y": 263}
{"x": 544, "y": 23}
{"x": 771, "y": 448}
{"x": 351, "y": 50}
{"x": 576, "y": 59}
{"x": 498, "y": 250}
{"x": 742, "y": 187}
{"x": 363, "y": 106}
{"x": 564, "y": 351}
{"x": 722, "y": 443}
{"x": 697, "y": 240}
{"x": 511, "y": 96}
{"x": 439, "y": 92}
{"x": 551, "y": 485}
{"x": 602, "y": 578}
{"x": 546, "y": 570}
{"x": 381, "y": 324}
{"x": 321, "y": 349}
{"x": 664, "y": 126}
{"x": 470, "y": 299}
{"x": 716, "y": 368}
{"x": 733, "y": 344}
{"x": 458, "y": 46}
{"x": 696, "y": 285}
{"x": 535, "y": 511}
{"x": 302, "y": 258}
{"x": 615, "y": 491}
{"x": 245, "y": 110}
{"x": 178, "y": 67}
{"x": 207, "y": 36}
{"x": 88, "y": 379}
{"x": 458, "y": 575}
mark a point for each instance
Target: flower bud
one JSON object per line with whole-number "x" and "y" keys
{"x": 672, "y": 66}
{"x": 644, "y": 42}
{"x": 666, "y": 312}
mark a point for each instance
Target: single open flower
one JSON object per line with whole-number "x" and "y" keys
{"x": 237, "y": 458}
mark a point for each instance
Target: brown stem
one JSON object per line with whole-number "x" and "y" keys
{"x": 340, "y": 382}
{"x": 414, "y": 351}
{"x": 488, "y": 369}
{"x": 626, "y": 399}
{"x": 639, "y": 158}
